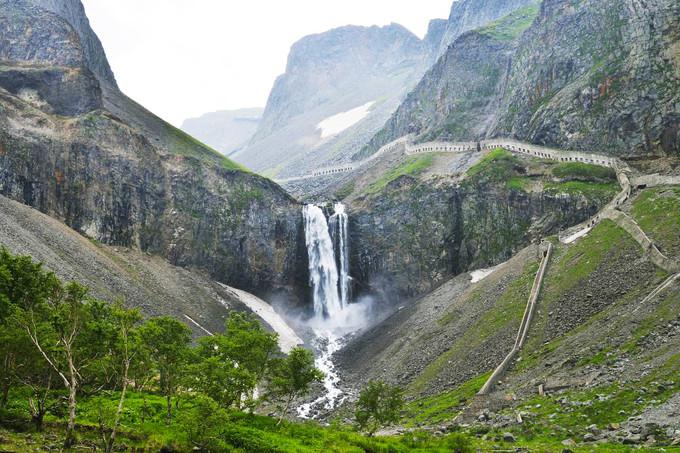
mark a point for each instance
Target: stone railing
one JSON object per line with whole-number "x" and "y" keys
{"x": 463, "y": 147}
{"x": 344, "y": 168}
{"x": 348, "y": 167}
{"x": 441, "y": 147}
{"x": 627, "y": 223}
{"x": 523, "y": 332}
{"x": 549, "y": 153}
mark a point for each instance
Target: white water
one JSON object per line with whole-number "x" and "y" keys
{"x": 337, "y": 123}
{"x": 334, "y": 316}
{"x": 328, "y": 344}
{"x": 323, "y": 272}
{"x": 338, "y": 231}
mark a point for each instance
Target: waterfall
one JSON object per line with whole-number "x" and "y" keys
{"x": 338, "y": 230}
{"x": 328, "y": 251}
{"x": 323, "y": 271}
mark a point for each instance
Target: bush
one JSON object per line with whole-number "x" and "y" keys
{"x": 379, "y": 404}
{"x": 458, "y": 443}
{"x": 204, "y": 425}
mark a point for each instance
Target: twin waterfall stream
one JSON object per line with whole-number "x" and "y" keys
{"x": 328, "y": 250}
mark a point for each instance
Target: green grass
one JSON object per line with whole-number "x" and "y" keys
{"x": 443, "y": 407}
{"x": 602, "y": 192}
{"x": 345, "y": 191}
{"x": 184, "y": 144}
{"x": 413, "y": 166}
{"x": 511, "y": 26}
{"x": 584, "y": 257}
{"x": 506, "y": 311}
{"x": 569, "y": 413}
{"x": 237, "y": 431}
{"x": 583, "y": 172}
{"x": 657, "y": 211}
{"x": 499, "y": 166}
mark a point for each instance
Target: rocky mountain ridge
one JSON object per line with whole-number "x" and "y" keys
{"x": 586, "y": 75}
{"x": 76, "y": 148}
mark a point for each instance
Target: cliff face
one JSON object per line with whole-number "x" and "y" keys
{"x": 320, "y": 66}
{"x": 598, "y": 75}
{"x": 415, "y": 235}
{"x": 467, "y": 15}
{"x": 452, "y": 100}
{"x": 72, "y": 11}
{"x": 589, "y": 75}
{"x": 111, "y": 170}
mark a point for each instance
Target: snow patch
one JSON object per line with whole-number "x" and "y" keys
{"x": 577, "y": 235}
{"x": 481, "y": 274}
{"x": 288, "y": 339}
{"x": 335, "y": 124}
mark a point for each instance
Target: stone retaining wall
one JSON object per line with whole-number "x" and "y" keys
{"x": 523, "y": 332}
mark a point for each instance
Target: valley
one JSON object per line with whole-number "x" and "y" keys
{"x": 468, "y": 241}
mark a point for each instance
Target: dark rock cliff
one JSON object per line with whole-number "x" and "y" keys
{"x": 414, "y": 235}
{"x": 82, "y": 152}
{"x": 586, "y": 75}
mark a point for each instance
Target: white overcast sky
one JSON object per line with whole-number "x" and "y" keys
{"x": 183, "y": 58}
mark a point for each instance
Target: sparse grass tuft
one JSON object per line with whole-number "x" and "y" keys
{"x": 511, "y": 26}
{"x": 657, "y": 211}
{"x": 413, "y": 166}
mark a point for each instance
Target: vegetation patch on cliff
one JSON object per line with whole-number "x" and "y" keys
{"x": 513, "y": 25}
{"x": 184, "y": 144}
{"x": 413, "y": 166}
{"x": 657, "y": 211}
{"x": 583, "y": 172}
{"x": 499, "y": 166}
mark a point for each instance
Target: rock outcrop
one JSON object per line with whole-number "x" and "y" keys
{"x": 467, "y": 15}
{"x": 77, "y": 149}
{"x": 591, "y": 75}
{"x": 415, "y": 235}
{"x": 72, "y": 11}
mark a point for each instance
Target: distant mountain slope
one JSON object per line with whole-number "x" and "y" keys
{"x": 227, "y": 131}
{"x": 76, "y": 148}
{"x": 328, "y": 74}
{"x": 592, "y": 75}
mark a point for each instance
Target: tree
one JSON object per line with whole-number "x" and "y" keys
{"x": 293, "y": 377}
{"x": 23, "y": 285}
{"x": 52, "y": 315}
{"x": 231, "y": 365}
{"x": 123, "y": 353}
{"x": 217, "y": 375}
{"x": 168, "y": 343}
{"x": 204, "y": 425}
{"x": 248, "y": 344}
{"x": 379, "y": 404}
